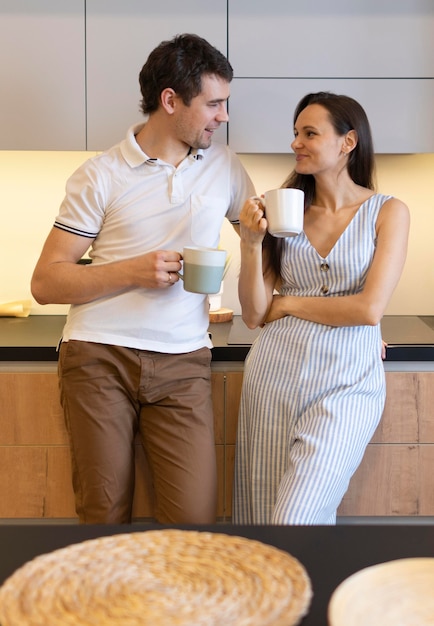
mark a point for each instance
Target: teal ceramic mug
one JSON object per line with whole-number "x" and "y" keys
{"x": 203, "y": 269}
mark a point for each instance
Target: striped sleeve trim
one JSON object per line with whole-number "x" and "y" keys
{"x": 75, "y": 231}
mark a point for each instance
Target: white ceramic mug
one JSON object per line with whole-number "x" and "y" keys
{"x": 284, "y": 211}
{"x": 203, "y": 269}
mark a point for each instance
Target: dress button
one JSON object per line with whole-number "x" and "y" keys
{"x": 324, "y": 267}
{"x": 324, "y": 289}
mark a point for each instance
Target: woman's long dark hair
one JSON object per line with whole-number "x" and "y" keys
{"x": 345, "y": 114}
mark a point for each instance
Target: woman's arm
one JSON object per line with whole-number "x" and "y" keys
{"x": 255, "y": 286}
{"x": 368, "y": 306}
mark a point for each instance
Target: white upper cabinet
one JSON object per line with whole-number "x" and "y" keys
{"x": 42, "y": 75}
{"x": 380, "y": 52}
{"x": 119, "y": 38}
{"x": 332, "y": 38}
{"x": 69, "y": 70}
{"x": 400, "y": 112}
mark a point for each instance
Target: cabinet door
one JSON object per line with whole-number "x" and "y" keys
{"x": 42, "y": 75}
{"x": 387, "y": 483}
{"x": 407, "y": 416}
{"x": 336, "y": 38}
{"x": 35, "y": 466}
{"x": 119, "y": 38}
{"x": 399, "y": 111}
{"x": 234, "y": 381}
{"x": 395, "y": 475}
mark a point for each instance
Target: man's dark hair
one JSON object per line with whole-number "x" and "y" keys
{"x": 179, "y": 64}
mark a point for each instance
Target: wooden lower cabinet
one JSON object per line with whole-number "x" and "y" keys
{"x": 394, "y": 478}
{"x": 396, "y": 475}
{"x": 35, "y": 472}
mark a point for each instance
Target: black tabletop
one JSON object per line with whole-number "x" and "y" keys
{"x": 329, "y": 553}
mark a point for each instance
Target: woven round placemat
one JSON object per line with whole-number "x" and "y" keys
{"x": 159, "y": 577}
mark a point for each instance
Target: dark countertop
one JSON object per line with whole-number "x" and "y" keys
{"x": 329, "y": 553}
{"x": 34, "y": 338}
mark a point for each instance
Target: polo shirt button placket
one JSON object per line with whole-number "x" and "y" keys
{"x": 177, "y": 185}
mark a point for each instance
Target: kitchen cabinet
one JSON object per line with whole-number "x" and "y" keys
{"x": 332, "y": 40}
{"x": 394, "y": 478}
{"x": 380, "y": 53}
{"x": 42, "y": 47}
{"x": 119, "y": 38}
{"x": 71, "y": 68}
{"x": 399, "y": 111}
{"x": 230, "y": 379}
{"x": 35, "y": 473}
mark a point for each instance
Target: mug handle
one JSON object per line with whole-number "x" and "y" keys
{"x": 261, "y": 200}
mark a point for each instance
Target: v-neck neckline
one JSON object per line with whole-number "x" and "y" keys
{"x": 356, "y": 213}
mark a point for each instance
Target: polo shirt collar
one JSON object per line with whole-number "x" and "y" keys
{"x": 134, "y": 155}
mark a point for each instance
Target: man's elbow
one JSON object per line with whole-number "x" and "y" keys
{"x": 37, "y": 291}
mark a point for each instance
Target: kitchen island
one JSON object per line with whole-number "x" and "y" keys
{"x": 393, "y": 482}
{"x": 329, "y": 554}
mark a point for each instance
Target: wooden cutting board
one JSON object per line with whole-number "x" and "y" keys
{"x": 221, "y": 315}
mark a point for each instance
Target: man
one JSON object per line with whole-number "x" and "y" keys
{"x": 135, "y": 354}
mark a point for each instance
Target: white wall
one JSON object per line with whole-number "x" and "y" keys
{"x": 32, "y": 187}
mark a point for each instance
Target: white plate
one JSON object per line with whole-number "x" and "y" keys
{"x": 396, "y": 593}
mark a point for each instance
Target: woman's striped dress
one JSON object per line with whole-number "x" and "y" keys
{"x": 313, "y": 394}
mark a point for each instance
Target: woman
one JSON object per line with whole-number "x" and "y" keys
{"x": 314, "y": 385}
